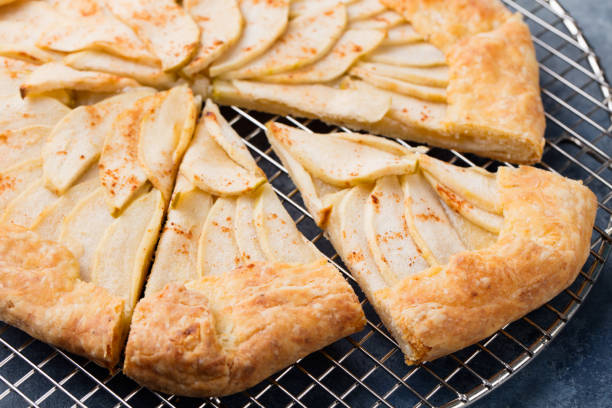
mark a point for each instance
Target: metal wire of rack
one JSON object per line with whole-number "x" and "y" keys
{"x": 367, "y": 369}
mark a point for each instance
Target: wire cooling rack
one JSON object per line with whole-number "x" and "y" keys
{"x": 367, "y": 369}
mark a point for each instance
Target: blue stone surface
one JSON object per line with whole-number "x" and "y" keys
{"x": 576, "y": 368}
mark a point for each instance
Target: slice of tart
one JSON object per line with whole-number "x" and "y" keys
{"x": 446, "y": 255}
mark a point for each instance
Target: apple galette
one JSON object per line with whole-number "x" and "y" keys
{"x": 446, "y": 255}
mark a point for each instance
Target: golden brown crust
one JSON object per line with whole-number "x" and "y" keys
{"x": 542, "y": 246}
{"x": 494, "y": 91}
{"x": 445, "y": 22}
{"x": 222, "y": 334}
{"x": 41, "y": 294}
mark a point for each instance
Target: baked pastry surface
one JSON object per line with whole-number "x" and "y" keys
{"x": 512, "y": 240}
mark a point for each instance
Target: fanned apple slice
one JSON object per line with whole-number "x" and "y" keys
{"x": 475, "y": 184}
{"x": 307, "y": 39}
{"x": 209, "y": 167}
{"x": 352, "y": 45}
{"x": 77, "y": 140}
{"x": 163, "y": 25}
{"x": 218, "y": 251}
{"x": 428, "y": 224}
{"x": 302, "y": 180}
{"x": 432, "y": 76}
{"x": 314, "y": 101}
{"x": 83, "y": 229}
{"x": 11, "y": 80}
{"x": 20, "y": 112}
{"x": 55, "y": 75}
{"x": 473, "y": 237}
{"x": 363, "y": 9}
{"x": 385, "y": 20}
{"x": 412, "y": 55}
{"x": 428, "y": 93}
{"x": 124, "y": 253}
{"x": 302, "y": 7}
{"x": 22, "y": 144}
{"x": 226, "y": 137}
{"x": 21, "y": 25}
{"x": 245, "y": 231}
{"x": 176, "y": 254}
{"x": 339, "y": 161}
{"x": 220, "y": 23}
{"x": 264, "y": 22}
{"x": 351, "y": 237}
{"x": 387, "y": 233}
{"x": 165, "y": 133}
{"x": 402, "y": 34}
{"x": 49, "y": 222}
{"x": 489, "y": 221}
{"x": 17, "y": 178}
{"x": 89, "y": 25}
{"x": 278, "y": 236}
{"x": 28, "y": 205}
{"x": 121, "y": 173}
{"x": 111, "y": 64}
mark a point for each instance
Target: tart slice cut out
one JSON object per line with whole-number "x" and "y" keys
{"x": 236, "y": 292}
{"x": 479, "y": 249}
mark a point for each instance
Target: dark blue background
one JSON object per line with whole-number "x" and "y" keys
{"x": 576, "y": 369}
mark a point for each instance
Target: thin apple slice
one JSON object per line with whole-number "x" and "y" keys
{"x": 307, "y": 39}
{"x": 22, "y": 145}
{"x": 20, "y": 112}
{"x": 83, "y": 228}
{"x": 339, "y": 161}
{"x": 475, "y": 184}
{"x": 21, "y": 25}
{"x": 303, "y": 181}
{"x": 122, "y": 258}
{"x": 384, "y": 20}
{"x": 245, "y": 231}
{"x": 27, "y": 206}
{"x": 165, "y": 133}
{"x": 402, "y": 34}
{"x": 278, "y": 236}
{"x": 121, "y": 173}
{"x": 315, "y": 101}
{"x": 209, "y": 167}
{"x": 220, "y": 23}
{"x": 302, "y": 7}
{"x": 363, "y": 9}
{"x": 163, "y": 25}
{"x": 11, "y": 80}
{"x": 111, "y": 64}
{"x": 473, "y": 237}
{"x": 347, "y": 229}
{"x": 352, "y": 45}
{"x": 49, "y": 222}
{"x": 264, "y": 22}
{"x": 176, "y": 254}
{"x": 424, "y": 92}
{"x": 411, "y": 55}
{"x": 489, "y": 221}
{"x": 89, "y": 25}
{"x": 380, "y": 143}
{"x": 427, "y": 222}
{"x": 77, "y": 140}
{"x": 17, "y": 178}
{"x": 432, "y": 76}
{"x": 56, "y": 75}
{"x": 226, "y": 137}
{"x": 15, "y": 65}
{"x": 218, "y": 251}
{"x": 386, "y": 230}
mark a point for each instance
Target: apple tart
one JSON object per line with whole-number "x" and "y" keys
{"x": 446, "y": 255}
{"x": 456, "y": 74}
{"x": 236, "y": 292}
